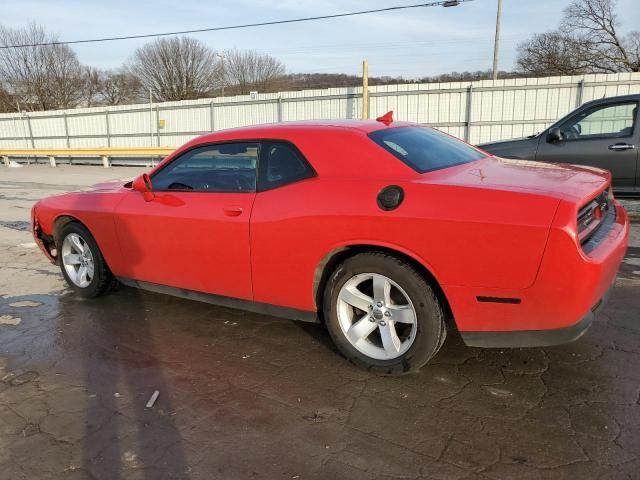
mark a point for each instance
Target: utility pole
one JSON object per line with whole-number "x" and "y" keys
{"x": 365, "y": 90}
{"x": 496, "y": 44}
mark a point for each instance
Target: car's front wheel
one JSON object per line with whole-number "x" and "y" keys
{"x": 382, "y": 314}
{"x": 82, "y": 263}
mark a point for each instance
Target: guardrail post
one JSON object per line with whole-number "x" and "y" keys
{"x": 52, "y": 161}
{"x": 279, "y": 109}
{"x": 106, "y": 162}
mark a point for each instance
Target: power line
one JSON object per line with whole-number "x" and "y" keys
{"x": 444, "y": 3}
{"x": 360, "y": 47}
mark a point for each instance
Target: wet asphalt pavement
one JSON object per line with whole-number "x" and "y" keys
{"x": 247, "y": 396}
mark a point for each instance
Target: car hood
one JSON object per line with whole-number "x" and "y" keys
{"x": 516, "y": 148}
{"x": 108, "y": 186}
{"x": 505, "y": 142}
{"x": 573, "y": 182}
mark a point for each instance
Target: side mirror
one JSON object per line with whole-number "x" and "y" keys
{"x": 555, "y": 135}
{"x": 143, "y": 185}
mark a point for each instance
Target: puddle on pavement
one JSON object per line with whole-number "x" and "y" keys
{"x": 19, "y": 225}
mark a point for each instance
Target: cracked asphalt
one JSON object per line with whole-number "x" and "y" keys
{"x": 251, "y": 396}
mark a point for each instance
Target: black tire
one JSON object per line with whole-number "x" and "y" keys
{"x": 102, "y": 279}
{"x": 431, "y": 329}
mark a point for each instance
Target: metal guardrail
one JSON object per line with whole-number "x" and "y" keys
{"x": 105, "y": 154}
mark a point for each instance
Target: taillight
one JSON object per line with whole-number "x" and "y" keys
{"x": 590, "y": 216}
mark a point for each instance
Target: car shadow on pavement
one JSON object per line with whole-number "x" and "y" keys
{"x": 319, "y": 333}
{"x": 122, "y": 370}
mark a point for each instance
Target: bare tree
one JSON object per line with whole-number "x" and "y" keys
{"x": 7, "y": 102}
{"x": 92, "y": 79}
{"x": 633, "y": 44}
{"x": 249, "y": 70}
{"x": 595, "y": 22}
{"x": 39, "y": 77}
{"x": 555, "y": 53}
{"x": 588, "y": 41}
{"x": 120, "y": 87}
{"x": 179, "y": 68}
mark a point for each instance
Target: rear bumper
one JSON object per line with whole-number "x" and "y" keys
{"x": 535, "y": 338}
{"x": 572, "y": 284}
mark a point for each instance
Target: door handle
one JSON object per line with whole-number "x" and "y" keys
{"x": 233, "y": 211}
{"x": 618, "y": 147}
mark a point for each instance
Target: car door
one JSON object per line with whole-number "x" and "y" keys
{"x": 194, "y": 233}
{"x": 279, "y": 239}
{"x": 603, "y": 136}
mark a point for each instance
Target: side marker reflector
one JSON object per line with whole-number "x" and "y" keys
{"x": 514, "y": 301}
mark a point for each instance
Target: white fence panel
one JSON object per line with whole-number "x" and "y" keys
{"x": 480, "y": 111}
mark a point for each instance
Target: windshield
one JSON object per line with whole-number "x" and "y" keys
{"x": 425, "y": 149}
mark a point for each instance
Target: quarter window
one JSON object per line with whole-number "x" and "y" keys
{"x": 227, "y": 167}
{"x": 280, "y": 164}
{"x": 608, "y": 121}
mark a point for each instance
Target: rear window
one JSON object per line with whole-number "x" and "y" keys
{"x": 425, "y": 149}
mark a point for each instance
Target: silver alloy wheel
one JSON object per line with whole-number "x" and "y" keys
{"x": 377, "y": 316}
{"x": 77, "y": 260}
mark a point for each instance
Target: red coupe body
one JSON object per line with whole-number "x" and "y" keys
{"x": 500, "y": 240}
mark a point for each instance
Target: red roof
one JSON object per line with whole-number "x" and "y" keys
{"x": 365, "y": 126}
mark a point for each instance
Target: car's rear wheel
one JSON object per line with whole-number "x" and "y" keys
{"x": 382, "y": 314}
{"x": 81, "y": 262}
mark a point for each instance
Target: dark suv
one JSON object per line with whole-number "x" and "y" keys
{"x": 602, "y": 133}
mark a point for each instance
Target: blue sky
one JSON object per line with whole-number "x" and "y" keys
{"x": 411, "y": 43}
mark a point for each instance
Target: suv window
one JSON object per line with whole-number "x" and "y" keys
{"x": 280, "y": 164}
{"x": 226, "y": 167}
{"x": 425, "y": 149}
{"x": 602, "y": 121}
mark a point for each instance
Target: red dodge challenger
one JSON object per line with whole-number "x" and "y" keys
{"x": 387, "y": 232}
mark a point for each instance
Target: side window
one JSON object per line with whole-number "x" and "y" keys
{"x": 281, "y": 163}
{"x": 606, "y": 121}
{"x": 226, "y": 167}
